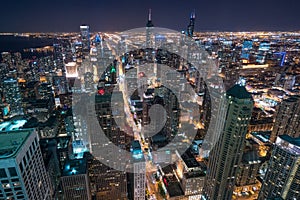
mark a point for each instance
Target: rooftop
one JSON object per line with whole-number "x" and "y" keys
{"x": 174, "y": 189}
{"x": 12, "y": 125}
{"x": 263, "y": 136}
{"x": 288, "y": 143}
{"x": 136, "y": 145}
{"x": 168, "y": 170}
{"x": 239, "y": 92}
{"x": 12, "y": 141}
{"x": 75, "y": 167}
{"x": 195, "y": 174}
{"x": 294, "y": 141}
{"x": 190, "y": 160}
{"x": 251, "y": 157}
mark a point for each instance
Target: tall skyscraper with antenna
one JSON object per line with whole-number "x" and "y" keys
{"x": 149, "y": 28}
{"x": 191, "y": 26}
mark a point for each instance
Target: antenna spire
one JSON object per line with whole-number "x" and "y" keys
{"x": 149, "y": 23}
{"x": 149, "y": 17}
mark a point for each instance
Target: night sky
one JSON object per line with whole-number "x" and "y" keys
{"x": 121, "y": 15}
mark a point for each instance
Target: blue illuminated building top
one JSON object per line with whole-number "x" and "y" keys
{"x": 135, "y": 146}
{"x": 245, "y": 55}
{"x": 136, "y": 149}
{"x": 75, "y": 167}
{"x": 97, "y": 38}
{"x": 247, "y": 45}
{"x": 79, "y": 148}
{"x": 12, "y": 125}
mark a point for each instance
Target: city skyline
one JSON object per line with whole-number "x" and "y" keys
{"x": 149, "y": 113}
{"x": 57, "y": 16}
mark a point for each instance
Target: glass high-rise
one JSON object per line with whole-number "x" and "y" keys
{"x": 12, "y": 96}
{"x": 282, "y": 179}
{"x": 287, "y": 120}
{"x": 227, "y": 153}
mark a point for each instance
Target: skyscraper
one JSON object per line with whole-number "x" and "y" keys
{"x": 85, "y": 38}
{"x": 139, "y": 169}
{"x": 288, "y": 118}
{"x": 107, "y": 183}
{"x": 12, "y": 95}
{"x": 7, "y": 59}
{"x": 22, "y": 171}
{"x": 283, "y": 175}
{"x": 75, "y": 181}
{"x": 58, "y": 55}
{"x": 227, "y": 153}
{"x": 149, "y": 28}
{"x": 190, "y": 28}
{"x": 149, "y": 23}
{"x": 249, "y": 168}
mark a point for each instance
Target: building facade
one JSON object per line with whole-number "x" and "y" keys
{"x": 75, "y": 180}
{"x": 22, "y": 170}
{"x": 12, "y": 96}
{"x": 226, "y": 155}
{"x": 288, "y": 118}
{"x": 85, "y": 39}
{"x": 283, "y": 175}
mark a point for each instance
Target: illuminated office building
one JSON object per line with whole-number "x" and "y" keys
{"x": 139, "y": 180}
{"x": 75, "y": 181}
{"x": 248, "y": 169}
{"x": 77, "y": 51}
{"x": 139, "y": 169}
{"x": 247, "y": 47}
{"x": 3, "y": 72}
{"x": 6, "y": 58}
{"x": 58, "y": 55}
{"x": 85, "y": 38}
{"x": 191, "y": 174}
{"x": 49, "y": 149}
{"x": 88, "y": 81}
{"x": 106, "y": 182}
{"x": 60, "y": 85}
{"x": 283, "y": 175}
{"x": 287, "y": 121}
{"x": 12, "y": 96}
{"x": 227, "y": 153}
{"x": 289, "y": 81}
{"x": 22, "y": 171}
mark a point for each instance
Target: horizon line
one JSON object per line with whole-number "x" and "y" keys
{"x": 204, "y": 31}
